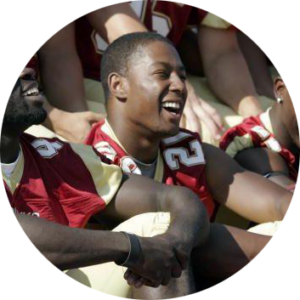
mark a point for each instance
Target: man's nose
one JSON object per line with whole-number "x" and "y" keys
{"x": 27, "y": 73}
{"x": 177, "y": 83}
{"x": 27, "y": 77}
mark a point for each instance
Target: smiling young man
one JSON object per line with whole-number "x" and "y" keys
{"x": 144, "y": 83}
{"x": 55, "y": 188}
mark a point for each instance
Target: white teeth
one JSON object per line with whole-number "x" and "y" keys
{"x": 171, "y": 104}
{"x": 32, "y": 91}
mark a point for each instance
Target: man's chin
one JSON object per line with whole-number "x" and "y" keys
{"x": 40, "y": 118}
{"x": 171, "y": 132}
{"x": 23, "y": 119}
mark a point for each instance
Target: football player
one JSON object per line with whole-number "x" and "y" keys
{"x": 68, "y": 184}
{"x": 268, "y": 144}
{"x": 144, "y": 83}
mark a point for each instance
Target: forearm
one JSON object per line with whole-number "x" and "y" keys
{"x": 230, "y": 80}
{"x": 114, "y": 21}
{"x": 61, "y": 71}
{"x": 227, "y": 250}
{"x": 289, "y": 207}
{"x": 53, "y": 115}
{"x": 228, "y": 74}
{"x": 282, "y": 180}
{"x": 189, "y": 219}
{"x": 65, "y": 89}
{"x": 257, "y": 64}
{"x": 69, "y": 248}
{"x": 57, "y": 120}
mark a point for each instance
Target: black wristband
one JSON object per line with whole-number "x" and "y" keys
{"x": 134, "y": 251}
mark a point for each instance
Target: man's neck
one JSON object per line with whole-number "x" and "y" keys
{"x": 137, "y": 142}
{"x": 10, "y": 148}
{"x": 279, "y": 129}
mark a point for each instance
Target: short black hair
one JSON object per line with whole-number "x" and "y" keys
{"x": 118, "y": 54}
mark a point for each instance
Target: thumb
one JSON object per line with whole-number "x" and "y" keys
{"x": 94, "y": 117}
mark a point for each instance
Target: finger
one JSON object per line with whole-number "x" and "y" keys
{"x": 139, "y": 283}
{"x": 193, "y": 124}
{"x": 182, "y": 258}
{"x": 166, "y": 279}
{"x": 127, "y": 273}
{"x": 132, "y": 279}
{"x": 213, "y": 113}
{"x": 176, "y": 271}
{"x": 182, "y": 123}
{"x": 213, "y": 128}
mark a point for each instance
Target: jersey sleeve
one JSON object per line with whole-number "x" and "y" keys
{"x": 235, "y": 140}
{"x": 106, "y": 177}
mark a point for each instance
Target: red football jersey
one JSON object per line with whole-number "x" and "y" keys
{"x": 61, "y": 182}
{"x": 180, "y": 160}
{"x": 167, "y": 18}
{"x": 256, "y": 132}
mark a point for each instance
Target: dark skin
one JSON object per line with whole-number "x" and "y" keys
{"x": 157, "y": 76}
{"x": 162, "y": 257}
{"x": 258, "y": 65}
{"x": 285, "y": 127}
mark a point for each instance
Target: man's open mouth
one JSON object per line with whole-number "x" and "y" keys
{"x": 31, "y": 92}
{"x": 172, "y": 107}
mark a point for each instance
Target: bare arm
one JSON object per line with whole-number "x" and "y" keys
{"x": 227, "y": 250}
{"x": 264, "y": 161}
{"x": 138, "y": 194}
{"x": 161, "y": 258}
{"x": 114, "y": 21}
{"x": 69, "y": 248}
{"x": 246, "y": 193}
{"x": 74, "y": 127}
{"x": 227, "y": 71}
{"x": 258, "y": 65}
{"x": 61, "y": 71}
{"x": 62, "y": 78}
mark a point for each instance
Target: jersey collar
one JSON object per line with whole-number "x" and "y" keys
{"x": 106, "y": 128}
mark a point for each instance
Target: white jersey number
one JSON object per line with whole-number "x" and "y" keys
{"x": 175, "y": 155}
{"x": 161, "y": 24}
{"x": 45, "y": 148}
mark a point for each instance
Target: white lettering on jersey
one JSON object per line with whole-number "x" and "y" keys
{"x": 129, "y": 166}
{"x": 262, "y": 133}
{"x": 161, "y": 23}
{"x": 179, "y": 154}
{"x": 106, "y": 149}
{"x": 33, "y": 214}
{"x": 46, "y": 148}
{"x": 273, "y": 144}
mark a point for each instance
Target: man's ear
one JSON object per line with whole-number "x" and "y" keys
{"x": 279, "y": 87}
{"x": 117, "y": 86}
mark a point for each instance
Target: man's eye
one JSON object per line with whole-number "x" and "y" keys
{"x": 162, "y": 74}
